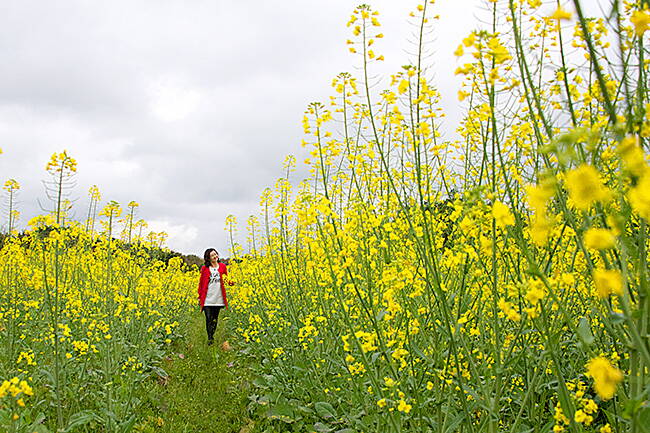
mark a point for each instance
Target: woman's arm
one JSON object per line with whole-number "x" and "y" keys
{"x": 203, "y": 285}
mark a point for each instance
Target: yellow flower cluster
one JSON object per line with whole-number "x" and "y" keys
{"x": 412, "y": 273}
{"x": 606, "y": 377}
{"x": 72, "y": 303}
{"x": 61, "y": 163}
{"x": 472, "y": 273}
{"x": 15, "y": 387}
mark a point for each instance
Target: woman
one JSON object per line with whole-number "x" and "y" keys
{"x": 212, "y": 291}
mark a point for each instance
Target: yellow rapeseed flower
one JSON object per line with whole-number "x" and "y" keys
{"x": 508, "y": 310}
{"x": 535, "y": 293}
{"x": 11, "y": 185}
{"x": 61, "y": 162}
{"x": 606, "y": 377}
{"x": 539, "y": 195}
{"x": 641, "y": 21}
{"x": 585, "y": 187}
{"x": 599, "y": 239}
{"x": 590, "y": 406}
{"x": 540, "y": 230}
{"x": 502, "y": 215}
{"x": 469, "y": 40}
{"x": 608, "y": 281}
{"x": 639, "y": 197}
{"x": 560, "y": 14}
{"x": 403, "y": 406}
{"x": 499, "y": 52}
{"x": 581, "y": 417}
{"x": 632, "y": 155}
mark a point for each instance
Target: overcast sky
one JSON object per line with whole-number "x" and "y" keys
{"x": 187, "y": 107}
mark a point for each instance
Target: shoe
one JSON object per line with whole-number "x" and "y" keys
{"x": 210, "y": 342}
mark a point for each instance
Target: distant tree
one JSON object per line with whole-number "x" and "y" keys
{"x": 193, "y": 260}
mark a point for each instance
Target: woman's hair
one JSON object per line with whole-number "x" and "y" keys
{"x": 206, "y": 256}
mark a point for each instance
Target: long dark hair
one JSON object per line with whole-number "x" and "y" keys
{"x": 206, "y": 256}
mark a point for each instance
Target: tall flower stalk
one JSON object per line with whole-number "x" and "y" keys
{"x": 488, "y": 283}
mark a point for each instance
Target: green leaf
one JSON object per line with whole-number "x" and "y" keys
{"x": 533, "y": 270}
{"x": 617, "y": 318}
{"x": 455, "y": 422}
{"x": 644, "y": 419}
{"x": 260, "y": 383}
{"x": 416, "y": 349}
{"x": 630, "y": 408}
{"x": 282, "y": 412}
{"x": 584, "y": 332}
{"x": 325, "y": 410}
{"x": 320, "y": 427}
{"x": 305, "y": 409}
{"x": 81, "y": 418}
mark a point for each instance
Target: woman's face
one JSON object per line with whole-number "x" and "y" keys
{"x": 214, "y": 257}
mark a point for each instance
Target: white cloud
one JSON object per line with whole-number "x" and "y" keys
{"x": 182, "y": 236}
{"x": 172, "y": 101}
{"x": 188, "y": 108}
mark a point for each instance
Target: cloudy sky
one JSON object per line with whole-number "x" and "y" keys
{"x": 187, "y": 107}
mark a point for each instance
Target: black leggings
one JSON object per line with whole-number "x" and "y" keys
{"x": 211, "y": 317}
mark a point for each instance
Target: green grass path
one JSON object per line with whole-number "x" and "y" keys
{"x": 206, "y": 390}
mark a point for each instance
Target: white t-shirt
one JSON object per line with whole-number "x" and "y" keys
{"x": 214, "y": 297}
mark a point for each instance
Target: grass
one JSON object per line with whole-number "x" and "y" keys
{"x": 206, "y": 388}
